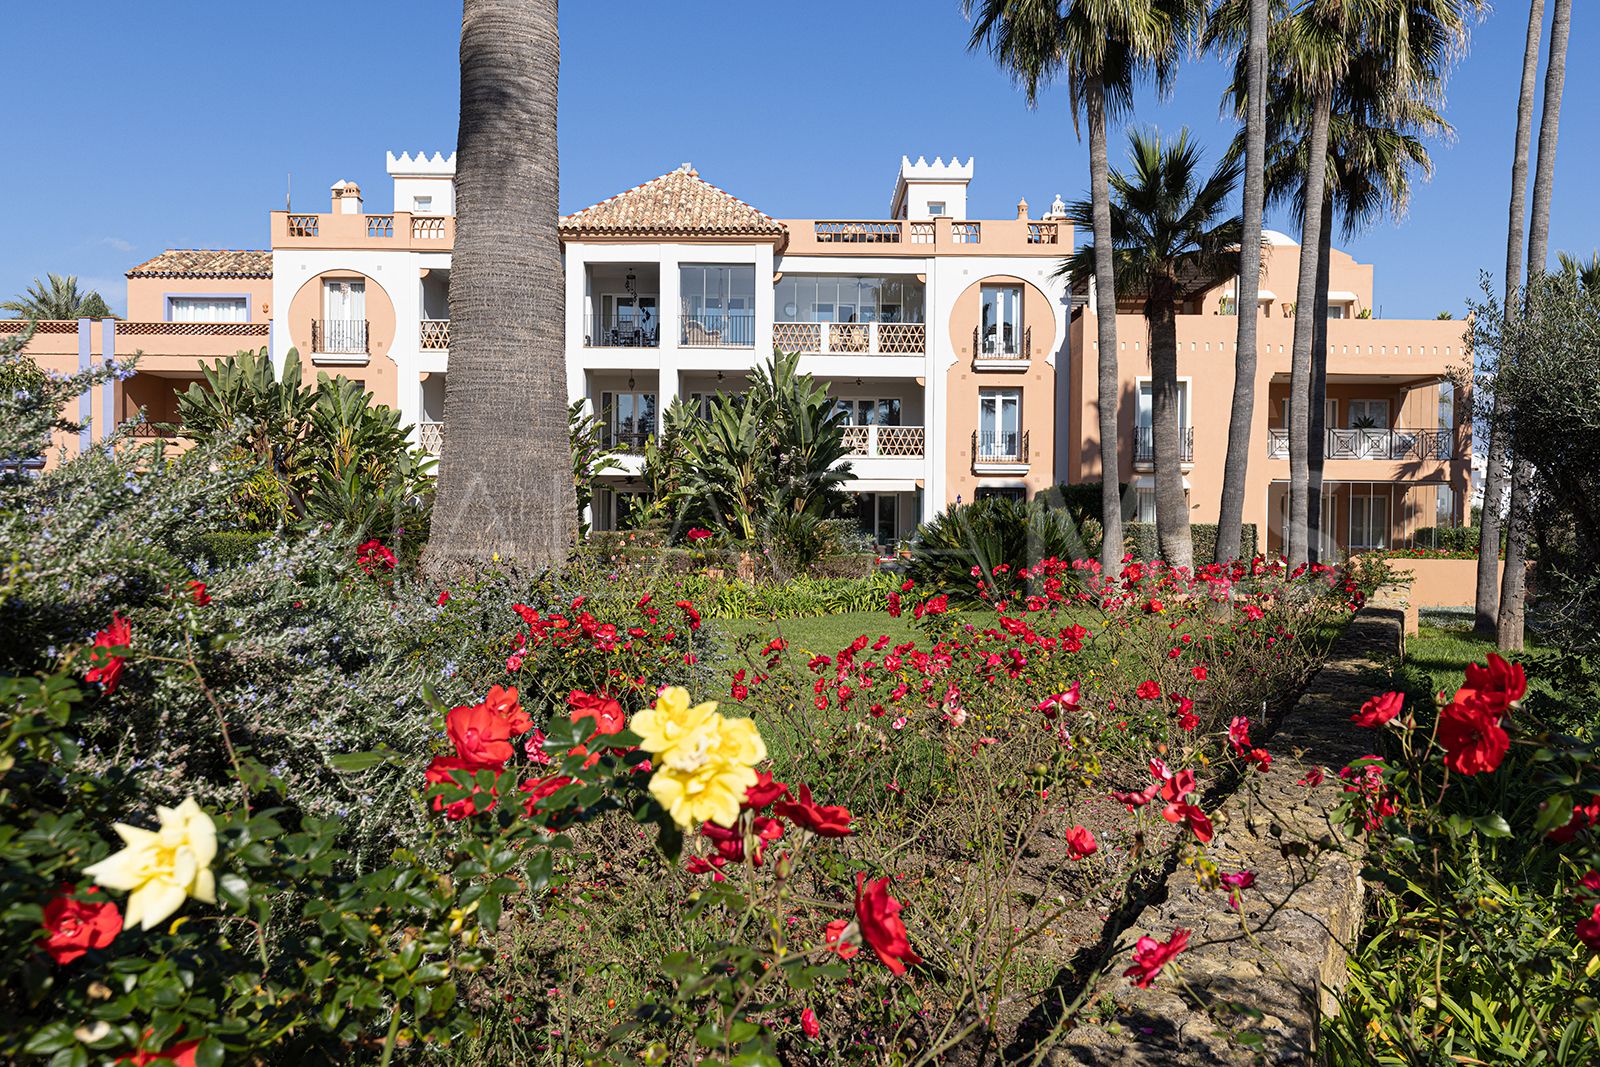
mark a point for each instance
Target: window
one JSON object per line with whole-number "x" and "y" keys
{"x": 881, "y": 412}
{"x": 1447, "y": 405}
{"x": 1335, "y": 311}
{"x": 1444, "y": 506}
{"x": 1144, "y": 501}
{"x": 630, "y": 417}
{"x": 1002, "y": 492}
{"x": 1144, "y": 449}
{"x": 834, "y": 298}
{"x": 936, "y": 208}
{"x": 999, "y": 424}
{"x": 1000, "y": 326}
{"x": 627, "y": 320}
{"x": 422, "y": 205}
{"x": 718, "y": 305}
{"x": 1368, "y": 414}
{"x": 1369, "y": 517}
{"x": 208, "y": 309}
{"x": 344, "y": 313}
{"x": 878, "y": 516}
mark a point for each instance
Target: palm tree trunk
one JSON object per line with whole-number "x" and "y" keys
{"x": 1236, "y": 463}
{"x": 505, "y": 471}
{"x": 1105, "y": 288}
{"x": 1172, "y": 507}
{"x": 1304, "y": 327}
{"x": 1317, "y": 439}
{"x": 1513, "y": 583}
{"x": 1489, "y": 524}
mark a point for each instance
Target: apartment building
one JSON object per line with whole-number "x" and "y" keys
{"x": 963, "y": 366}
{"x": 937, "y": 334}
{"x": 1398, "y": 430}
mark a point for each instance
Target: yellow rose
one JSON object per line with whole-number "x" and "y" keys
{"x": 159, "y": 868}
{"x": 704, "y": 762}
{"x": 670, "y": 721}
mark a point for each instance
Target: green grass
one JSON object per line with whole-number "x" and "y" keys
{"x": 823, "y": 635}
{"x": 1436, "y": 656}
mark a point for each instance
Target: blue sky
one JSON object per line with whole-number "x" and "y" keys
{"x": 176, "y": 124}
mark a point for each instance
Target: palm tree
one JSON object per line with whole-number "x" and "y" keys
{"x": 1236, "y": 462}
{"x": 1315, "y": 45}
{"x": 57, "y": 298}
{"x": 1170, "y": 244}
{"x": 1098, "y": 49}
{"x": 505, "y": 474}
{"x": 1513, "y": 583}
{"x": 1487, "y": 601}
{"x": 1587, "y": 274}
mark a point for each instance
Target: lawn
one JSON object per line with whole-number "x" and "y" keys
{"x": 820, "y": 635}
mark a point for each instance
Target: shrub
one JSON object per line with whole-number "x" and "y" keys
{"x": 967, "y": 543}
{"x": 1141, "y": 539}
{"x": 225, "y": 548}
{"x": 1448, "y": 538}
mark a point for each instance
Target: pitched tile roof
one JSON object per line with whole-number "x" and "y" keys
{"x": 206, "y": 263}
{"x": 677, "y": 203}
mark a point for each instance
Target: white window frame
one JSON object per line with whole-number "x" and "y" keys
{"x": 1007, "y": 302}
{"x": 993, "y": 405}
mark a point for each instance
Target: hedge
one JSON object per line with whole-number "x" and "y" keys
{"x": 223, "y": 548}
{"x": 1141, "y": 540}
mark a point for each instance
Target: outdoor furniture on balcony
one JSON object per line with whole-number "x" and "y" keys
{"x": 612, "y": 332}
{"x": 884, "y": 441}
{"x": 1372, "y": 443}
{"x": 434, "y": 335}
{"x": 1144, "y": 445}
{"x": 339, "y": 337}
{"x": 999, "y": 446}
{"x": 998, "y": 345}
{"x": 730, "y": 329}
{"x": 852, "y": 338}
{"x": 430, "y": 437}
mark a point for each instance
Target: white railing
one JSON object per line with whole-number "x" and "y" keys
{"x": 430, "y": 437}
{"x": 852, "y": 338}
{"x": 884, "y": 441}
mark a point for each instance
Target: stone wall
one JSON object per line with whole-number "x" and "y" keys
{"x": 1305, "y": 908}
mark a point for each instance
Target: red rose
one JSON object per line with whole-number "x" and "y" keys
{"x": 894, "y": 605}
{"x": 181, "y": 1054}
{"x": 107, "y": 670}
{"x": 1470, "y": 732}
{"x": 1150, "y": 955}
{"x": 442, "y": 770}
{"x": 1199, "y": 673}
{"x": 833, "y": 937}
{"x": 1500, "y": 683}
{"x": 808, "y": 1023}
{"x": 1379, "y": 710}
{"x": 1589, "y": 929}
{"x": 1081, "y": 843}
{"x": 504, "y": 703}
{"x": 697, "y": 534}
{"x": 538, "y": 789}
{"x": 481, "y": 737}
{"x": 1148, "y": 690}
{"x": 824, "y": 820}
{"x": 1191, "y": 816}
{"x": 878, "y": 916}
{"x": 764, "y": 792}
{"x": 73, "y": 927}
{"x": 444, "y": 598}
{"x": 607, "y": 713}
{"x": 1239, "y": 733}
{"x": 197, "y": 592}
{"x": 373, "y": 556}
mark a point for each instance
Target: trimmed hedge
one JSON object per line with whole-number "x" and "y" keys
{"x": 1449, "y": 538}
{"x": 1141, "y": 540}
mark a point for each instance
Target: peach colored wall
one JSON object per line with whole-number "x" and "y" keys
{"x": 379, "y": 372}
{"x": 996, "y": 237}
{"x": 1388, "y": 352}
{"x": 1280, "y": 276}
{"x": 1037, "y": 385}
{"x": 1441, "y": 583}
{"x": 147, "y": 296}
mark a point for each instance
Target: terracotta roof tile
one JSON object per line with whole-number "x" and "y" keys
{"x": 679, "y": 202}
{"x": 206, "y": 263}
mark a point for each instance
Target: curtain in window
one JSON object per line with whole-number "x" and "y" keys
{"x": 209, "y": 309}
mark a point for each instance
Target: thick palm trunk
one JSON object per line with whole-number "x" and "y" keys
{"x": 1489, "y": 523}
{"x": 1513, "y": 583}
{"x": 1172, "y": 507}
{"x": 1236, "y": 463}
{"x": 1317, "y": 436}
{"x": 1106, "y": 320}
{"x": 505, "y": 472}
{"x": 1304, "y": 326}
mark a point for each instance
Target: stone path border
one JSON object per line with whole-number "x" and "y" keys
{"x": 1305, "y": 907}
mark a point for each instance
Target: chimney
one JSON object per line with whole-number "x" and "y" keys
{"x": 1058, "y": 210}
{"x": 346, "y": 198}
{"x": 1022, "y": 208}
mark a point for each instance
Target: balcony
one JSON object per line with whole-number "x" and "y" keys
{"x": 401, "y": 229}
{"x": 924, "y": 236}
{"x": 884, "y": 441}
{"x": 999, "y": 447}
{"x": 1001, "y": 350}
{"x": 629, "y": 442}
{"x": 339, "y": 337}
{"x": 434, "y": 335}
{"x": 430, "y": 437}
{"x": 1380, "y": 444}
{"x": 851, "y": 338}
{"x": 1144, "y": 446}
{"x": 613, "y": 332}
{"x": 720, "y": 329}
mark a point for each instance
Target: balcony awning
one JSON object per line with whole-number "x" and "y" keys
{"x": 1342, "y": 296}
{"x": 880, "y": 485}
{"x": 1148, "y": 481}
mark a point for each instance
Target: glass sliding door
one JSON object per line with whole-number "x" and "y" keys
{"x": 999, "y": 423}
{"x": 1000, "y": 322}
